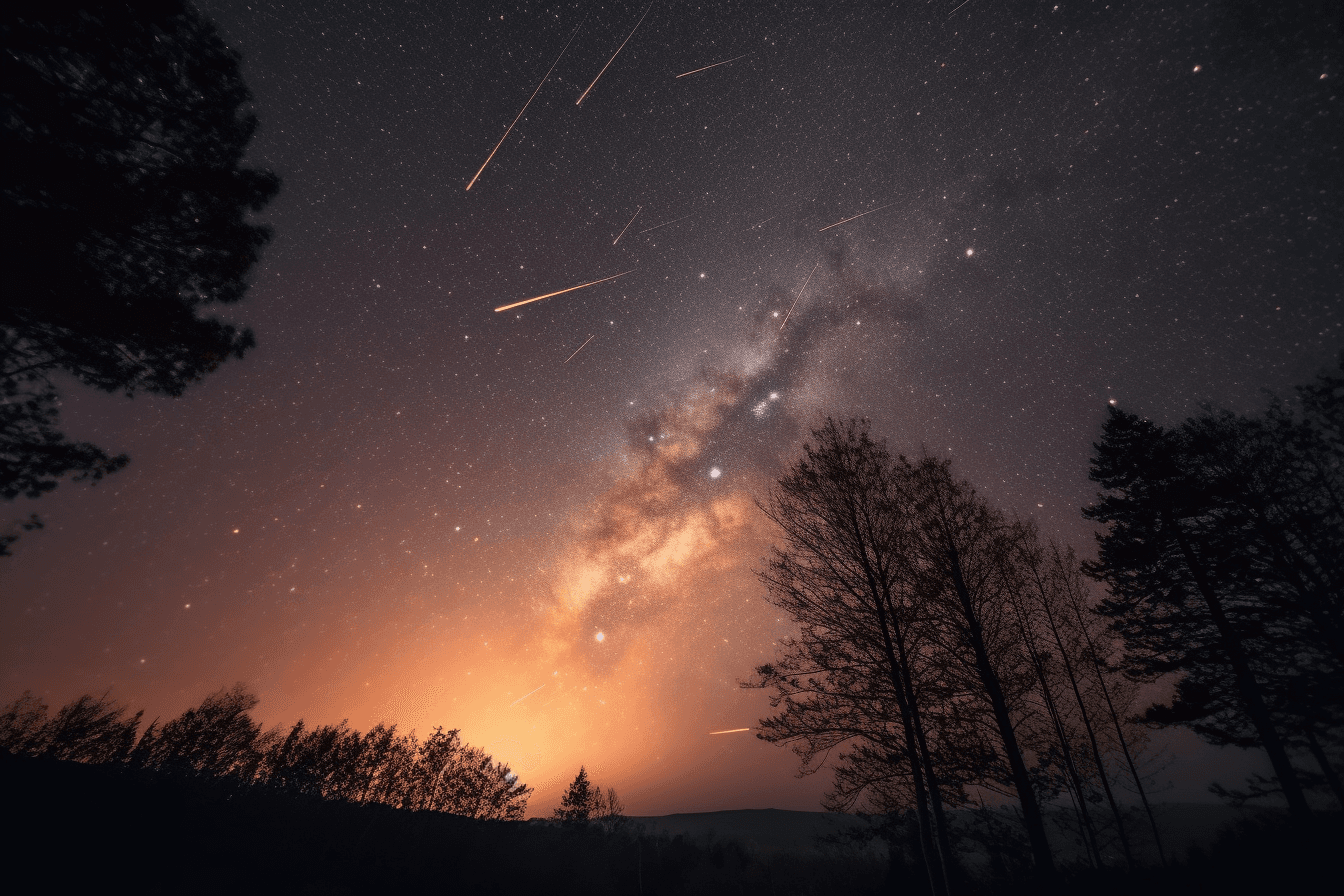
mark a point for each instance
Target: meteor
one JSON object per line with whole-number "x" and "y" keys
{"x": 614, "y": 55}
{"x": 525, "y": 105}
{"x": 800, "y": 293}
{"x": 664, "y": 224}
{"x": 860, "y": 215}
{"x": 576, "y": 351}
{"x": 730, "y": 731}
{"x": 525, "y": 696}
{"x": 724, "y": 62}
{"x": 627, "y": 226}
{"x": 563, "y": 291}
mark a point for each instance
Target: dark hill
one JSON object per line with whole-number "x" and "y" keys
{"x": 78, "y": 828}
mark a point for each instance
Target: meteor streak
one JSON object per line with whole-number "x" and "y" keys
{"x": 627, "y": 226}
{"x": 664, "y": 224}
{"x": 860, "y": 215}
{"x": 800, "y": 294}
{"x": 766, "y": 221}
{"x": 525, "y": 696}
{"x": 563, "y": 291}
{"x": 566, "y": 361}
{"x": 730, "y": 731}
{"x": 724, "y": 62}
{"x": 614, "y": 55}
{"x": 525, "y": 105}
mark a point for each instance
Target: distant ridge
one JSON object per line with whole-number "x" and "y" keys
{"x": 777, "y": 831}
{"x": 762, "y": 831}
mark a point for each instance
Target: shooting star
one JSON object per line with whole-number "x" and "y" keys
{"x": 959, "y": 6}
{"x": 860, "y": 215}
{"x": 766, "y": 221}
{"x": 724, "y": 62}
{"x": 563, "y": 291}
{"x": 525, "y": 105}
{"x": 566, "y": 361}
{"x": 664, "y": 224}
{"x": 800, "y": 293}
{"x": 730, "y": 731}
{"x": 524, "y": 697}
{"x": 627, "y": 226}
{"x": 614, "y": 55}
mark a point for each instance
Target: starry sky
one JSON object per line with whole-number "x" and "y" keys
{"x": 405, "y": 506}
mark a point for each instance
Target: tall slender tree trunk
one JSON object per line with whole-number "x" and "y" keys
{"x": 899, "y": 676}
{"x": 947, "y": 860}
{"x": 1120, "y": 734}
{"x": 1057, "y": 722}
{"x": 1247, "y": 686}
{"x": 1327, "y": 768}
{"x": 1026, "y": 794}
{"x": 937, "y": 885}
{"x": 1091, "y": 733}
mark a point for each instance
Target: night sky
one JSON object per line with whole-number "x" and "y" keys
{"x": 404, "y": 506}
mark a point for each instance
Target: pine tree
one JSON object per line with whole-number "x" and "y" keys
{"x": 1200, "y": 558}
{"x": 580, "y": 802}
{"x": 126, "y": 204}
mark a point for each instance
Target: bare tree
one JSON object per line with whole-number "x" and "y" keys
{"x": 850, "y": 680}
{"x": 964, "y": 555}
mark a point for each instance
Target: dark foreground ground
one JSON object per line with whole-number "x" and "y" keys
{"x": 84, "y": 828}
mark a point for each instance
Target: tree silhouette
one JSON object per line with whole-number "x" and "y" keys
{"x": 585, "y": 803}
{"x": 217, "y": 738}
{"x": 220, "y": 739}
{"x": 919, "y": 670}
{"x": 964, "y": 548}
{"x": 842, "y": 576}
{"x": 126, "y": 202}
{"x": 1223, "y": 555}
{"x": 580, "y": 801}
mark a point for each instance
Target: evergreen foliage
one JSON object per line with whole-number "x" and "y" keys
{"x": 585, "y": 803}
{"x": 127, "y": 206}
{"x": 1223, "y": 553}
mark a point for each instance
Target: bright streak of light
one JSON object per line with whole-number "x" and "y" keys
{"x": 730, "y": 731}
{"x": 525, "y": 105}
{"x": 627, "y": 225}
{"x": 800, "y": 293}
{"x": 559, "y": 292}
{"x": 579, "y": 349}
{"x": 579, "y": 101}
{"x": 724, "y": 62}
{"x": 860, "y": 215}
{"x": 525, "y": 696}
{"x": 664, "y": 224}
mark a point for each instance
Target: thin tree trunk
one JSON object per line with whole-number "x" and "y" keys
{"x": 898, "y": 674}
{"x": 1056, "y": 720}
{"x": 1120, "y": 734}
{"x": 1091, "y": 733}
{"x": 946, "y": 858}
{"x": 1327, "y": 769}
{"x": 1026, "y": 794}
